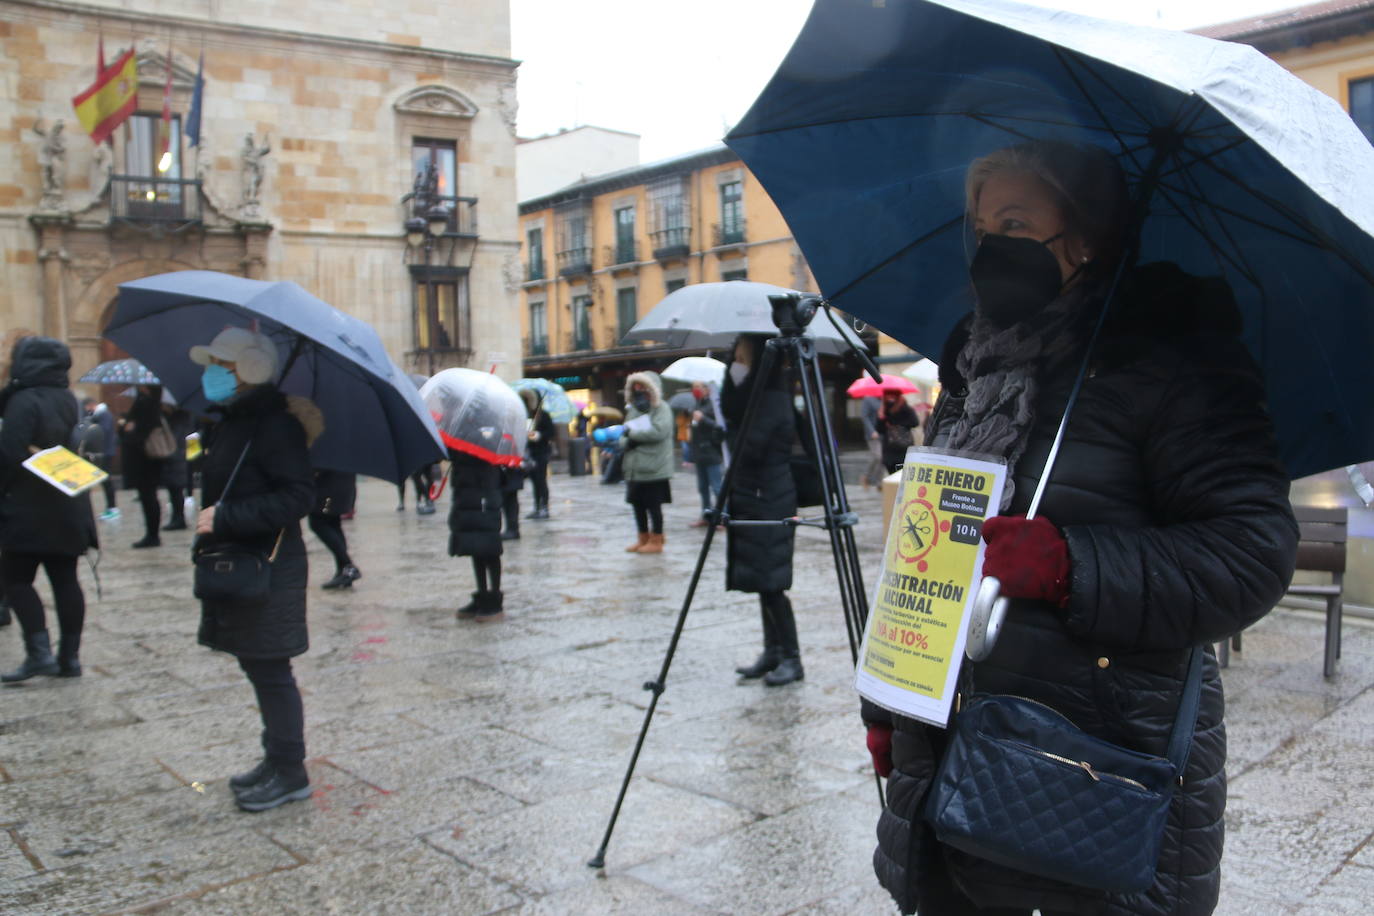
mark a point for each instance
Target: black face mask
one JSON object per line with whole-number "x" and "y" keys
{"x": 1014, "y": 278}
{"x": 640, "y": 401}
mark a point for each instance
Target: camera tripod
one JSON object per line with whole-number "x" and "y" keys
{"x": 791, "y": 314}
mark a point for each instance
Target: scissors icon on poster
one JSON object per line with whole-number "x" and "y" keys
{"x": 914, "y": 528}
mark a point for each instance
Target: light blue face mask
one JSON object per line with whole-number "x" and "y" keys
{"x": 218, "y": 383}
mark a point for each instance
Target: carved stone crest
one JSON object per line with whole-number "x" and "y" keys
{"x": 436, "y": 100}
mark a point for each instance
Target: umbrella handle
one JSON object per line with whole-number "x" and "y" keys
{"x": 437, "y": 489}
{"x": 986, "y": 616}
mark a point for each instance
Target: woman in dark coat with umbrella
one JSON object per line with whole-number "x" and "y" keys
{"x": 474, "y": 525}
{"x": 266, "y": 435}
{"x": 146, "y": 472}
{"x": 41, "y": 525}
{"x": 1165, "y": 524}
{"x": 759, "y": 557}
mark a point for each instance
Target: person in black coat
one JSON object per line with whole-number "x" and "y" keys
{"x": 335, "y": 493}
{"x": 895, "y": 422}
{"x": 539, "y": 450}
{"x": 707, "y": 457}
{"x": 267, "y": 436}
{"x": 1165, "y": 524}
{"x": 147, "y": 473}
{"x": 759, "y": 557}
{"x": 40, "y": 525}
{"x": 512, "y": 482}
{"x": 474, "y": 525}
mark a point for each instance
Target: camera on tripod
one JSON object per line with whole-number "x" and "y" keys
{"x": 792, "y": 312}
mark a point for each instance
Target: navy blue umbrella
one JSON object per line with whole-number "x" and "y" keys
{"x": 863, "y": 137}
{"x": 375, "y": 421}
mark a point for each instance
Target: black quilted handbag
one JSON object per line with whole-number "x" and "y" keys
{"x": 233, "y": 573}
{"x": 1021, "y": 786}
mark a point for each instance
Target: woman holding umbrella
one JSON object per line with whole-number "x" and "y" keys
{"x": 257, "y": 486}
{"x": 1165, "y": 524}
{"x": 539, "y": 450}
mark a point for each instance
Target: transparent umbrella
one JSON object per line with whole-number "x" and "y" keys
{"x": 477, "y": 414}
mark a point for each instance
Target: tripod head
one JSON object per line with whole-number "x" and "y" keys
{"x": 792, "y": 312}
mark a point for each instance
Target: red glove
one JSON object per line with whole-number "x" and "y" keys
{"x": 1030, "y": 557}
{"x": 880, "y": 746}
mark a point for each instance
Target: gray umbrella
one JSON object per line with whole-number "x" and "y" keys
{"x": 712, "y": 315}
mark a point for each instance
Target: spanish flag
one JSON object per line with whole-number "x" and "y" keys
{"x": 110, "y": 99}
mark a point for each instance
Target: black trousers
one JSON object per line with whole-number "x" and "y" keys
{"x": 329, "y": 529}
{"x": 152, "y": 507}
{"x": 649, "y": 518}
{"x": 487, "y": 572}
{"x": 103, "y": 462}
{"x": 539, "y": 479}
{"x": 510, "y": 507}
{"x": 17, "y": 571}
{"x": 283, "y": 714}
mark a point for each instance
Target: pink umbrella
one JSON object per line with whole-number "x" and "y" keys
{"x": 865, "y": 387}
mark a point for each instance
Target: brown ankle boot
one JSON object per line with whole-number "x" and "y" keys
{"x": 639, "y": 545}
{"x": 655, "y": 544}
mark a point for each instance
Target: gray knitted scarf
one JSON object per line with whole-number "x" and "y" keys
{"x": 1003, "y": 368}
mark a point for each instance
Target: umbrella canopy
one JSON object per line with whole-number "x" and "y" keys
{"x": 375, "y": 422}
{"x": 553, "y": 399}
{"x": 711, "y": 315}
{"x": 683, "y": 401}
{"x": 696, "y": 369}
{"x": 1252, "y": 175}
{"x": 865, "y": 387}
{"x": 121, "y": 372}
{"x": 478, "y": 414}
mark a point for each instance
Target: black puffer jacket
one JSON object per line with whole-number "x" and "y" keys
{"x": 474, "y": 522}
{"x": 759, "y": 558}
{"x": 1175, "y": 508}
{"x": 273, "y": 491}
{"x": 39, "y": 410}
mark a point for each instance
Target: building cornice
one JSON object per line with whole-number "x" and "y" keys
{"x": 335, "y": 42}
{"x": 1301, "y": 27}
{"x": 629, "y": 178}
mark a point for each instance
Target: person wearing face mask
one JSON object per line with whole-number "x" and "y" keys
{"x": 895, "y": 423}
{"x": 262, "y": 441}
{"x": 758, "y": 558}
{"x": 1165, "y": 523}
{"x": 647, "y": 462}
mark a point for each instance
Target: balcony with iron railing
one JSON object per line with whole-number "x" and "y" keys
{"x": 730, "y": 232}
{"x": 462, "y": 214}
{"x": 534, "y": 270}
{"x": 671, "y": 243}
{"x": 622, "y": 252}
{"x": 537, "y": 346}
{"x": 166, "y": 202}
{"x": 574, "y": 262}
{"x": 582, "y": 337}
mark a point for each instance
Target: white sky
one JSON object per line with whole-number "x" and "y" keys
{"x": 681, "y": 72}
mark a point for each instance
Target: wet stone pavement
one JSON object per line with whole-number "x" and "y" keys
{"x": 470, "y": 768}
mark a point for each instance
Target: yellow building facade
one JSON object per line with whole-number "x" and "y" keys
{"x": 599, "y": 254}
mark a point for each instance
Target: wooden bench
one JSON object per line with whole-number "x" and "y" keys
{"x": 1321, "y": 548}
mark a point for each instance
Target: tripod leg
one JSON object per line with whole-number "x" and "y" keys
{"x": 657, "y": 686}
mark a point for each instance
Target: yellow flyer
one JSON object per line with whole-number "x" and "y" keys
{"x": 932, "y": 564}
{"x": 64, "y": 469}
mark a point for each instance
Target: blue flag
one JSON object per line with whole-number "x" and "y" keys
{"x": 193, "y": 116}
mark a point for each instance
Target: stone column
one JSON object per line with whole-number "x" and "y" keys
{"x": 54, "y": 258}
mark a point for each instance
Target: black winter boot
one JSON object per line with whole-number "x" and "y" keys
{"x": 790, "y": 668}
{"x": 491, "y": 607}
{"x": 241, "y": 781}
{"x": 768, "y": 659}
{"x": 69, "y": 655}
{"x": 37, "y": 658}
{"x": 470, "y": 610}
{"x": 280, "y": 784}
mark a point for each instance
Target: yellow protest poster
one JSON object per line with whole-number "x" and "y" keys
{"x": 932, "y": 564}
{"x": 64, "y": 469}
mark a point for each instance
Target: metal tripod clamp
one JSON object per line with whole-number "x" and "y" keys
{"x": 986, "y": 617}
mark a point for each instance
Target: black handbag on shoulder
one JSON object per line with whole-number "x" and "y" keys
{"x": 233, "y": 573}
{"x": 1021, "y": 786}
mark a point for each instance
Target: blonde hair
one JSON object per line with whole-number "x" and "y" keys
{"x": 1086, "y": 180}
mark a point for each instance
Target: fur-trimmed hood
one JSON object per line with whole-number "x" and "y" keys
{"x": 648, "y": 380}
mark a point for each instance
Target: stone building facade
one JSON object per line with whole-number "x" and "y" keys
{"x": 316, "y": 118}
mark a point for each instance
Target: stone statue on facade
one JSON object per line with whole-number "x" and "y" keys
{"x": 251, "y": 167}
{"x": 52, "y": 163}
